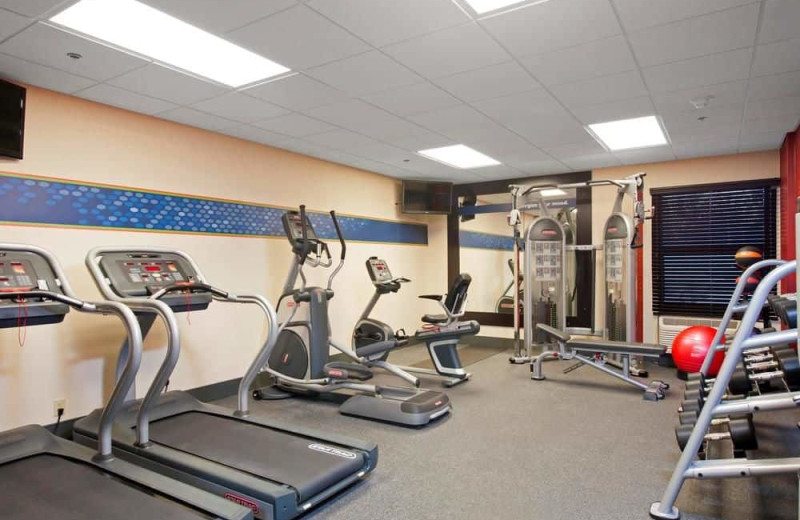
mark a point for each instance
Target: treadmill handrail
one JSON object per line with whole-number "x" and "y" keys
{"x": 134, "y": 334}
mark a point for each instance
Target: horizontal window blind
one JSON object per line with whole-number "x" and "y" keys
{"x": 696, "y": 232}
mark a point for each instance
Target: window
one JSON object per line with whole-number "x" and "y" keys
{"x": 696, "y": 231}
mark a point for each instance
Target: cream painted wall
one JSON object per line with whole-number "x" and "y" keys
{"x": 80, "y": 140}
{"x": 707, "y": 170}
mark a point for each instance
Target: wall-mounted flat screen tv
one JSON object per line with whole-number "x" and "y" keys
{"x": 12, "y": 119}
{"x": 427, "y": 197}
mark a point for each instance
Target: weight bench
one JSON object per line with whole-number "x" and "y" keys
{"x": 591, "y": 352}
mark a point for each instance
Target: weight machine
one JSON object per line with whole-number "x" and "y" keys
{"x": 547, "y": 260}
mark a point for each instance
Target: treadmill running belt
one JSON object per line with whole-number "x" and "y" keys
{"x": 49, "y": 486}
{"x": 308, "y": 465}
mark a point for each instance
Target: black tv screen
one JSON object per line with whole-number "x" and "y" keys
{"x": 12, "y": 119}
{"x": 427, "y": 197}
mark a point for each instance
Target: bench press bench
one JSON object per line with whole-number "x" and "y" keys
{"x": 592, "y": 351}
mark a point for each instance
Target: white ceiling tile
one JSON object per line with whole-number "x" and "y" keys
{"x": 449, "y": 51}
{"x": 15, "y": 69}
{"x": 606, "y": 89}
{"x": 49, "y": 46}
{"x": 384, "y": 153}
{"x": 220, "y": 17}
{"x": 257, "y": 135}
{"x": 728, "y": 115}
{"x": 497, "y": 141}
{"x": 758, "y": 142}
{"x": 599, "y": 58}
{"x": 414, "y": 99}
{"x": 11, "y": 23}
{"x": 646, "y": 155}
{"x": 121, "y": 98}
{"x": 732, "y": 93}
{"x": 298, "y": 92}
{"x": 771, "y": 108}
{"x": 163, "y": 83}
{"x": 553, "y": 25}
{"x": 241, "y": 108}
{"x": 361, "y": 117}
{"x": 498, "y": 172}
{"x": 457, "y": 177}
{"x": 340, "y": 139}
{"x": 785, "y": 123}
{"x": 30, "y": 8}
{"x": 455, "y": 122}
{"x": 300, "y": 146}
{"x": 587, "y": 146}
{"x": 522, "y": 156}
{"x": 700, "y": 36}
{"x": 591, "y": 162}
{"x": 779, "y": 85}
{"x": 774, "y": 58}
{"x": 489, "y": 82}
{"x": 423, "y": 142}
{"x": 636, "y": 14}
{"x": 615, "y": 110}
{"x": 364, "y": 74}
{"x": 547, "y": 167}
{"x": 549, "y": 129}
{"x": 525, "y": 105}
{"x": 191, "y": 117}
{"x": 298, "y": 38}
{"x": 707, "y": 147}
{"x": 381, "y": 22}
{"x": 780, "y": 21}
{"x": 692, "y": 134}
{"x": 696, "y": 72}
{"x": 296, "y": 125}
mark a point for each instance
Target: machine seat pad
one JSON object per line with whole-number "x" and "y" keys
{"x": 616, "y": 347}
{"x": 553, "y": 332}
{"x": 434, "y": 319}
{"x": 268, "y": 453}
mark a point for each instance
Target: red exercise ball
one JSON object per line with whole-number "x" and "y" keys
{"x": 690, "y": 346}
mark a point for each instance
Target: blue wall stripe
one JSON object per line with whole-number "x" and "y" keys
{"x": 485, "y": 241}
{"x": 35, "y": 200}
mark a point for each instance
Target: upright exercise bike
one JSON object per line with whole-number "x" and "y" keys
{"x": 441, "y": 332}
{"x": 299, "y": 363}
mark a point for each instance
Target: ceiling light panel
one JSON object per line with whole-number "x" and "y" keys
{"x": 459, "y": 156}
{"x": 141, "y": 29}
{"x": 488, "y": 6}
{"x": 640, "y": 132}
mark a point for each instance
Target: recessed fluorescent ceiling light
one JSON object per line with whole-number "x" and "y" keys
{"x": 459, "y": 156}
{"x": 640, "y": 132}
{"x": 144, "y": 30}
{"x": 486, "y": 6}
{"x": 555, "y": 192}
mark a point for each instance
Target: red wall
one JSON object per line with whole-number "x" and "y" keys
{"x": 790, "y": 190}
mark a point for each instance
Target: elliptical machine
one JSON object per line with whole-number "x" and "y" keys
{"x": 302, "y": 349}
{"x": 505, "y": 304}
{"x": 441, "y": 334}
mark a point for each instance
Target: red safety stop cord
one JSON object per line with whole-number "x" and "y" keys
{"x": 22, "y": 321}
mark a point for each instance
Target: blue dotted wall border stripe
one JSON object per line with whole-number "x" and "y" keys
{"x": 476, "y": 240}
{"x": 35, "y": 200}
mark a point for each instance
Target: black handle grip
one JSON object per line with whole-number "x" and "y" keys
{"x": 193, "y": 287}
{"x": 39, "y": 293}
{"x": 305, "y": 249}
{"x": 339, "y": 233}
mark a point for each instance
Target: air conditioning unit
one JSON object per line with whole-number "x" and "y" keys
{"x": 671, "y": 326}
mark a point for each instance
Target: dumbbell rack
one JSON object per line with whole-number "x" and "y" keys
{"x": 716, "y": 407}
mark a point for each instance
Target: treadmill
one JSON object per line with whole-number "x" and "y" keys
{"x": 277, "y": 470}
{"x": 45, "y": 476}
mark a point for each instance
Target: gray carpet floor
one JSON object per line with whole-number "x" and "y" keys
{"x": 576, "y": 446}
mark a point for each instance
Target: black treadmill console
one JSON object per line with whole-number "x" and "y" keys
{"x": 25, "y": 271}
{"x": 134, "y": 274}
{"x": 293, "y": 227}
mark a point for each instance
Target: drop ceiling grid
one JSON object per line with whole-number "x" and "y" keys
{"x": 548, "y": 141}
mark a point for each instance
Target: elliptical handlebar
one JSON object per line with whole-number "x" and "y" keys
{"x": 305, "y": 247}
{"x": 339, "y": 233}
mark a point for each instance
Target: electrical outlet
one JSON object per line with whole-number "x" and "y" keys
{"x": 59, "y": 404}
